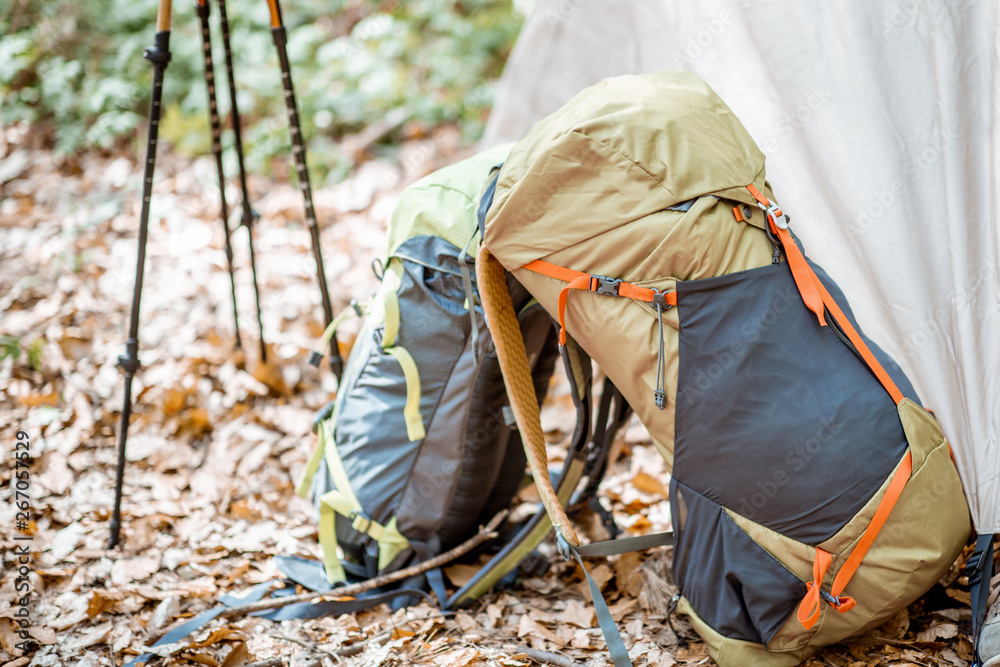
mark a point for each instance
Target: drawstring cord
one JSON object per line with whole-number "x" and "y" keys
{"x": 659, "y": 396}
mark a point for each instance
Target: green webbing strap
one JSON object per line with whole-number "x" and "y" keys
{"x": 336, "y": 466}
{"x": 306, "y": 479}
{"x": 391, "y": 281}
{"x": 328, "y": 542}
{"x": 411, "y": 411}
{"x": 612, "y": 637}
{"x": 342, "y": 501}
{"x": 353, "y": 310}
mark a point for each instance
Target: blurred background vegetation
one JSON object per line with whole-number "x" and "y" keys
{"x": 74, "y": 70}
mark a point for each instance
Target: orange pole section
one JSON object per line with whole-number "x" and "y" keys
{"x": 163, "y": 16}
{"x": 275, "y": 13}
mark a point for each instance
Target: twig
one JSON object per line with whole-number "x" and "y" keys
{"x": 356, "y": 145}
{"x": 546, "y": 657}
{"x": 359, "y": 646}
{"x": 270, "y": 662}
{"x": 309, "y": 645}
{"x": 488, "y": 532}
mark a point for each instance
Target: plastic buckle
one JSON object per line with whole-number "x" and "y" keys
{"x": 660, "y": 299}
{"x": 840, "y": 604}
{"x": 834, "y": 602}
{"x": 360, "y": 521}
{"x": 972, "y": 564}
{"x": 562, "y": 546}
{"x": 605, "y": 285}
{"x": 775, "y": 215}
{"x": 660, "y": 399}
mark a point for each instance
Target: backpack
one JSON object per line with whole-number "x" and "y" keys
{"x": 812, "y": 497}
{"x": 417, "y": 450}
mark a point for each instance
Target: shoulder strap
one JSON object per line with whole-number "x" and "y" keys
{"x": 815, "y": 295}
{"x": 979, "y": 570}
{"x": 513, "y": 358}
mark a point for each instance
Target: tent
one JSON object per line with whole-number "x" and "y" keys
{"x": 881, "y": 127}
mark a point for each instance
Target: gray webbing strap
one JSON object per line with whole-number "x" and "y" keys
{"x": 612, "y": 636}
{"x": 979, "y": 570}
{"x": 470, "y": 295}
{"x": 625, "y": 545}
{"x": 182, "y": 631}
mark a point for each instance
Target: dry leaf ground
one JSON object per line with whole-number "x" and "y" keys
{"x": 218, "y": 439}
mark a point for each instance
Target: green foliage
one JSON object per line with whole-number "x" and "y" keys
{"x": 78, "y": 67}
{"x": 11, "y": 347}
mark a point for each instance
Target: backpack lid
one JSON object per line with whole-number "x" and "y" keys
{"x": 621, "y": 150}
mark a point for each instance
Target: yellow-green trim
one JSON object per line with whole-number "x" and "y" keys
{"x": 574, "y": 472}
{"x": 305, "y": 480}
{"x": 342, "y": 500}
{"x": 391, "y": 281}
{"x": 324, "y": 340}
{"x": 411, "y": 411}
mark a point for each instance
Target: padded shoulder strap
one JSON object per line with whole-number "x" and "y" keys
{"x": 513, "y": 358}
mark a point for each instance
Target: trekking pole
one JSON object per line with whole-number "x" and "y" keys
{"x": 250, "y": 216}
{"x": 203, "y": 9}
{"x": 159, "y": 55}
{"x": 299, "y": 151}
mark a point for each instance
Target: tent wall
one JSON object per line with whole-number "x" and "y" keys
{"x": 881, "y": 126}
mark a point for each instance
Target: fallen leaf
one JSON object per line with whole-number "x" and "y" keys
{"x": 462, "y": 658}
{"x": 240, "y": 655}
{"x": 649, "y": 484}
{"x": 461, "y": 574}
{"x": 43, "y": 635}
{"x": 628, "y": 577}
{"x": 8, "y": 636}
{"x": 579, "y": 614}
{"x": 937, "y": 631}
{"x": 495, "y": 613}
{"x": 90, "y": 636}
{"x": 528, "y": 627}
{"x": 127, "y": 570}
{"x": 216, "y": 636}
{"x": 622, "y": 607}
{"x": 102, "y": 600}
{"x": 203, "y": 659}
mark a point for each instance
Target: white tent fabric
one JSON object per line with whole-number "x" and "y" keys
{"x": 881, "y": 126}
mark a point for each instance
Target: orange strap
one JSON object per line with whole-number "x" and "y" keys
{"x": 815, "y": 295}
{"x": 892, "y": 494}
{"x": 596, "y": 284}
{"x": 805, "y": 278}
{"x": 809, "y": 608}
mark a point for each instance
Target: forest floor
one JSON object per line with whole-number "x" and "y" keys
{"x": 218, "y": 439}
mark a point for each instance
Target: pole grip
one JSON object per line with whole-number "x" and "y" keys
{"x": 163, "y": 16}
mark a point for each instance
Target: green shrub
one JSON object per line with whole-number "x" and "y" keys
{"x": 77, "y": 68}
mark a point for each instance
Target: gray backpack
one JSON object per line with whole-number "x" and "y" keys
{"x": 418, "y": 450}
